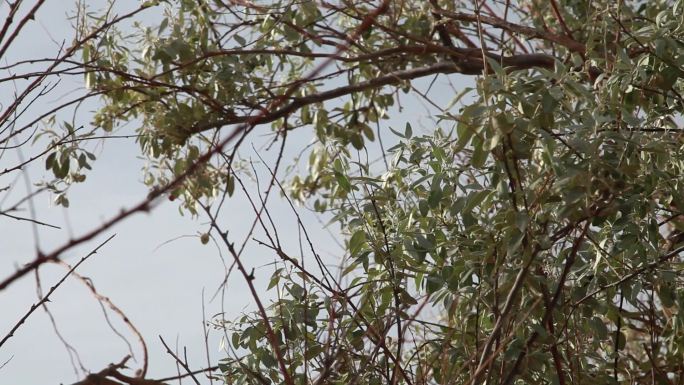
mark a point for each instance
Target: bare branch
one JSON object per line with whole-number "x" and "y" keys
{"x": 52, "y": 290}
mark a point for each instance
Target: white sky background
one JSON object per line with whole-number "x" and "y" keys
{"x": 159, "y": 286}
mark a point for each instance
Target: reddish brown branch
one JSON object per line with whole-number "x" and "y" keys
{"x": 103, "y": 377}
{"x": 569, "y": 262}
{"x": 179, "y": 361}
{"x": 31, "y": 15}
{"x": 559, "y": 16}
{"x": 14, "y": 7}
{"x": 46, "y": 297}
{"x": 530, "y": 32}
{"x": 469, "y": 64}
{"x": 104, "y": 300}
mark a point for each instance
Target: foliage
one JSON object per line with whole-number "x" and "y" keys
{"x": 532, "y": 223}
{"x": 533, "y": 235}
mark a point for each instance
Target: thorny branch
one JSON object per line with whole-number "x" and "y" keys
{"x": 47, "y": 295}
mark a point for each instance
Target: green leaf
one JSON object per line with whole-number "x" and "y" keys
{"x": 235, "y": 339}
{"x": 408, "y": 131}
{"x": 433, "y": 283}
{"x": 479, "y": 154}
{"x": 397, "y": 133}
{"x": 434, "y": 198}
{"x": 356, "y": 242}
{"x": 521, "y": 220}
{"x": 357, "y": 141}
{"x": 514, "y": 242}
{"x": 49, "y": 161}
{"x": 240, "y": 40}
{"x": 600, "y": 329}
{"x": 342, "y": 181}
{"x": 230, "y": 185}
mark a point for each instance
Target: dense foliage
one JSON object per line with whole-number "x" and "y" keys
{"x": 526, "y": 237}
{"x": 533, "y": 235}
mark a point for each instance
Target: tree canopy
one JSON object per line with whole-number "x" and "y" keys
{"x": 532, "y": 234}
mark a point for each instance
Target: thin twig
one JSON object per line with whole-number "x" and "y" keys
{"x": 179, "y": 361}
{"x": 52, "y": 290}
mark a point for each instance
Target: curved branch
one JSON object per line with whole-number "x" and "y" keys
{"x": 469, "y": 64}
{"x": 530, "y": 32}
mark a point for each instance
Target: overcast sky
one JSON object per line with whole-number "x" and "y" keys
{"x": 155, "y": 269}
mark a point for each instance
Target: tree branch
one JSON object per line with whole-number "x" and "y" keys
{"x": 469, "y": 64}
{"x": 52, "y": 290}
{"x": 530, "y": 32}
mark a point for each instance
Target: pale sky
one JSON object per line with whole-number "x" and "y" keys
{"x": 154, "y": 276}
